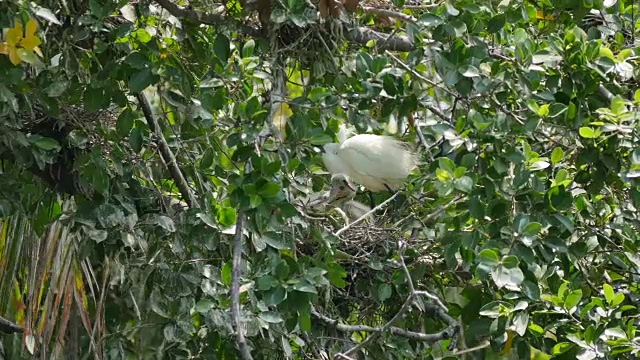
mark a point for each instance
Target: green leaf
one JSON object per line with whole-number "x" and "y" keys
{"x": 304, "y": 286}
{"x": 503, "y": 276}
{"x": 587, "y": 132}
{"x": 451, "y": 10}
{"x": 97, "y": 235}
{"x": 615, "y": 333}
{"x": 464, "y": 184}
{"x": 45, "y": 143}
{"x": 222, "y": 47}
{"x": 384, "y": 292}
{"x": 93, "y": 99}
{"x": 431, "y": 20}
{"x": 124, "y": 124}
{"x": 304, "y": 321}
{"x": 275, "y": 296}
{"x": 225, "y": 273}
{"x": 532, "y": 229}
{"x": 489, "y": 257}
{"x": 561, "y": 347}
{"x": 276, "y": 241}
{"x": 268, "y": 190}
{"x": 47, "y": 15}
{"x": 271, "y": 317}
{"x": 135, "y": 140}
{"x": 266, "y": 282}
{"x": 278, "y": 16}
{"x": 608, "y": 293}
{"x": 492, "y": 309}
{"x": 226, "y": 216}
{"x": 572, "y": 299}
{"x": 247, "y": 49}
{"x": 204, "y": 305}
{"x": 556, "y": 155}
{"x": 496, "y": 23}
{"x": 140, "y": 80}
{"x": 510, "y": 261}
{"x": 207, "y": 159}
{"x": 469, "y": 71}
{"x": 282, "y": 270}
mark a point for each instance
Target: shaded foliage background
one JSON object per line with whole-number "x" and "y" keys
{"x": 522, "y": 217}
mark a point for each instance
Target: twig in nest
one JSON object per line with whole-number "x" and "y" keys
{"x": 235, "y": 290}
{"x": 361, "y": 218}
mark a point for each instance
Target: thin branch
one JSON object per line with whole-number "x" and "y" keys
{"x": 365, "y": 216}
{"x": 413, "y": 335}
{"x": 605, "y": 92}
{"x": 438, "y": 310}
{"x": 206, "y": 18}
{"x": 390, "y": 13}
{"x": 467, "y": 351}
{"x": 235, "y": 290}
{"x": 418, "y": 76}
{"x": 166, "y": 153}
{"x": 423, "y": 6}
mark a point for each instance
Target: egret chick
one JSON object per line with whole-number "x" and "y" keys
{"x": 341, "y": 196}
{"x": 377, "y": 162}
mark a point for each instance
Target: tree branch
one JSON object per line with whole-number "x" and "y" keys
{"x": 206, "y": 18}
{"x": 389, "y": 13}
{"x": 166, "y": 153}
{"x": 362, "y": 35}
{"x": 235, "y": 290}
{"x": 413, "y": 335}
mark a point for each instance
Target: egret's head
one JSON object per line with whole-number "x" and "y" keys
{"x": 341, "y": 188}
{"x": 331, "y": 148}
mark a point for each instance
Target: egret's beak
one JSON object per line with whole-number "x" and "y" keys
{"x": 349, "y": 186}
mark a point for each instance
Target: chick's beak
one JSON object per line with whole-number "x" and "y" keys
{"x": 349, "y": 186}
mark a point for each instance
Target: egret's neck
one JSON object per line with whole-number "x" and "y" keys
{"x": 331, "y": 148}
{"x": 343, "y": 133}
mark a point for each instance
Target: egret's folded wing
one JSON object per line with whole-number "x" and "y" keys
{"x": 373, "y": 156}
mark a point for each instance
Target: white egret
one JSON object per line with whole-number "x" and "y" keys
{"x": 377, "y": 162}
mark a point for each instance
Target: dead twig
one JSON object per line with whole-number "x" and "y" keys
{"x": 365, "y": 216}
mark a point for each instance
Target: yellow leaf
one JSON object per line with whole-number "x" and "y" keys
{"x": 280, "y": 118}
{"x": 13, "y": 56}
{"x": 30, "y": 43}
{"x": 508, "y": 343}
{"x": 31, "y": 40}
{"x": 30, "y": 29}
{"x": 14, "y": 35}
{"x": 4, "y": 48}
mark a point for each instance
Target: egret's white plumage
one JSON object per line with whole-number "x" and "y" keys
{"x": 371, "y": 160}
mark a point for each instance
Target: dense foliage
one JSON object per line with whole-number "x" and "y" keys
{"x": 157, "y": 157}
